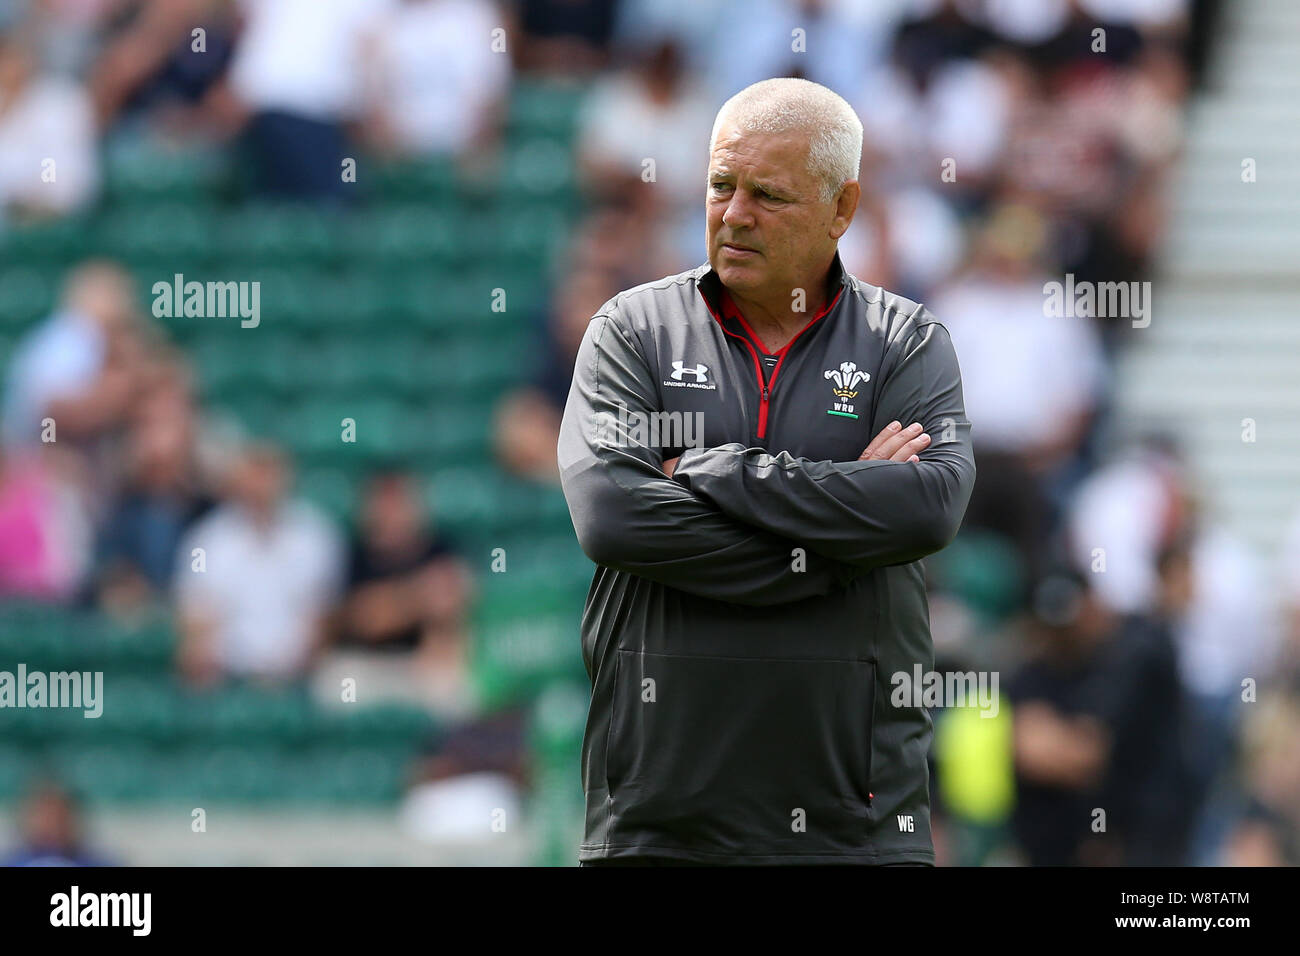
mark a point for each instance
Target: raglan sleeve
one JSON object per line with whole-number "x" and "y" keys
{"x": 865, "y": 513}
{"x": 631, "y": 517}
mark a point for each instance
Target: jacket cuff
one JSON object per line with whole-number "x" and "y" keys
{"x": 689, "y": 456}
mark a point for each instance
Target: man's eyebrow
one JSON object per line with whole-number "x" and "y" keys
{"x": 761, "y": 185}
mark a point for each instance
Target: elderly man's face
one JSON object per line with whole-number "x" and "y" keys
{"x": 769, "y": 231}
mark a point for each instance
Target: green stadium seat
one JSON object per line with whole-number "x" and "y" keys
{"x": 427, "y": 180}
{"x": 139, "y": 171}
{"x": 48, "y": 245}
{"x": 282, "y": 235}
{"x": 178, "y": 233}
{"x": 26, "y": 296}
{"x": 544, "y": 109}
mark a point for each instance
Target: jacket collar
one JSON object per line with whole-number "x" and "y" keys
{"x": 711, "y": 287}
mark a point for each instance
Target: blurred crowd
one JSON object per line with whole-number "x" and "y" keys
{"x": 1007, "y": 144}
{"x": 118, "y": 490}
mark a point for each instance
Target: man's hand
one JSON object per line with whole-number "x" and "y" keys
{"x": 894, "y": 443}
{"x": 670, "y": 465}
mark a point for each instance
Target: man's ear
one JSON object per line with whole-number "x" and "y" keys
{"x": 846, "y": 205}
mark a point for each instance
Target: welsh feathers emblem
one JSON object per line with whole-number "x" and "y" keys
{"x": 846, "y": 379}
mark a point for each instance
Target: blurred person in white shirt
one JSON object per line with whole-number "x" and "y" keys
{"x": 1032, "y": 381}
{"x": 435, "y": 85}
{"x": 73, "y": 367}
{"x": 297, "y": 78}
{"x": 644, "y": 133}
{"x": 257, "y": 578}
{"x": 49, "y": 162}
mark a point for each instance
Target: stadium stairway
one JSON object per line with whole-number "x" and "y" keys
{"x": 1223, "y": 345}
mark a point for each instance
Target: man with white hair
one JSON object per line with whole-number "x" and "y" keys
{"x": 759, "y": 593}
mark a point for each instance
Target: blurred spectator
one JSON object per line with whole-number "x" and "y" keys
{"x": 64, "y": 35}
{"x": 831, "y": 42}
{"x": 253, "y": 600}
{"x": 905, "y": 240}
{"x": 165, "y": 492}
{"x": 1130, "y": 508}
{"x": 151, "y": 60}
{"x": 1066, "y": 701}
{"x": 1024, "y": 22}
{"x": 43, "y": 532}
{"x": 51, "y": 831}
{"x": 408, "y": 589}
{"x": 1267, "y": 828}
{"x": 48, "y": 152}
{"x": 959, "y": 114}
{"x": 1129, "y": 512}
{"x": 436, "y": 85}
{"x": 1262, "y": 837}
{"x": 477, "y": 769}
{"x": 404, "y": 623}
{"x": 298, "y": 74}
{"x": 81, "y": 366}
{"x": 936, "y": 32}
{"x": 644, "y": 134}
{"x": 1152, "y": 797}
{"x": 1031, "y": 380}
{"x": 565, "y": 37}
{"x": 1101, "y": 724}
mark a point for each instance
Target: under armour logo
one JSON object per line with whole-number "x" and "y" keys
{"x": 700, "y": 372}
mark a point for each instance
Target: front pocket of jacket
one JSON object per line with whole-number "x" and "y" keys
{"x": 715, "y": 747}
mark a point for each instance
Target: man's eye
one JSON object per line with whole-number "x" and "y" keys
{"x": 718, "y": 187}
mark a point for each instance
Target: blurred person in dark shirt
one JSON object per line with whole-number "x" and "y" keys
{"x": 408, "y": 588}
{"x": 152, "y": 64}
{"x": 50, "y": 830}
{"x": 1065, "y": 707}
{"x": 165, "y": 492}
{"x": 1151, "y": 800}
{"x": 295, "y": 91}
{"x": 403, "y": 623}
{"x": 1100, "y": 723}
{"x": 567, "y": 37}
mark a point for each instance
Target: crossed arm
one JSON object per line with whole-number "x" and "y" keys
{"x": 727, "y": 521}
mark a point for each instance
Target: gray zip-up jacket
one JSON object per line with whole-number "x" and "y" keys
{"x": 747, "y": 614}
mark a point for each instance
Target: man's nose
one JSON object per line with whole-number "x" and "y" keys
{"x": 738, "y": 215}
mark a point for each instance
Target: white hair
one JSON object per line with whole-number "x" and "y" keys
{"x": 785, "y": 103}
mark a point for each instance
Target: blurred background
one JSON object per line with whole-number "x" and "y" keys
{"x": 319, "y": 550}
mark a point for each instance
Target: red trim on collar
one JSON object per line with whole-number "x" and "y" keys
{"x": 732, "y": 311}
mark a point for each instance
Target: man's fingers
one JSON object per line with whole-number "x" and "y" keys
{"x": 896, "y": 445}
{"x": 885, "y": 433}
